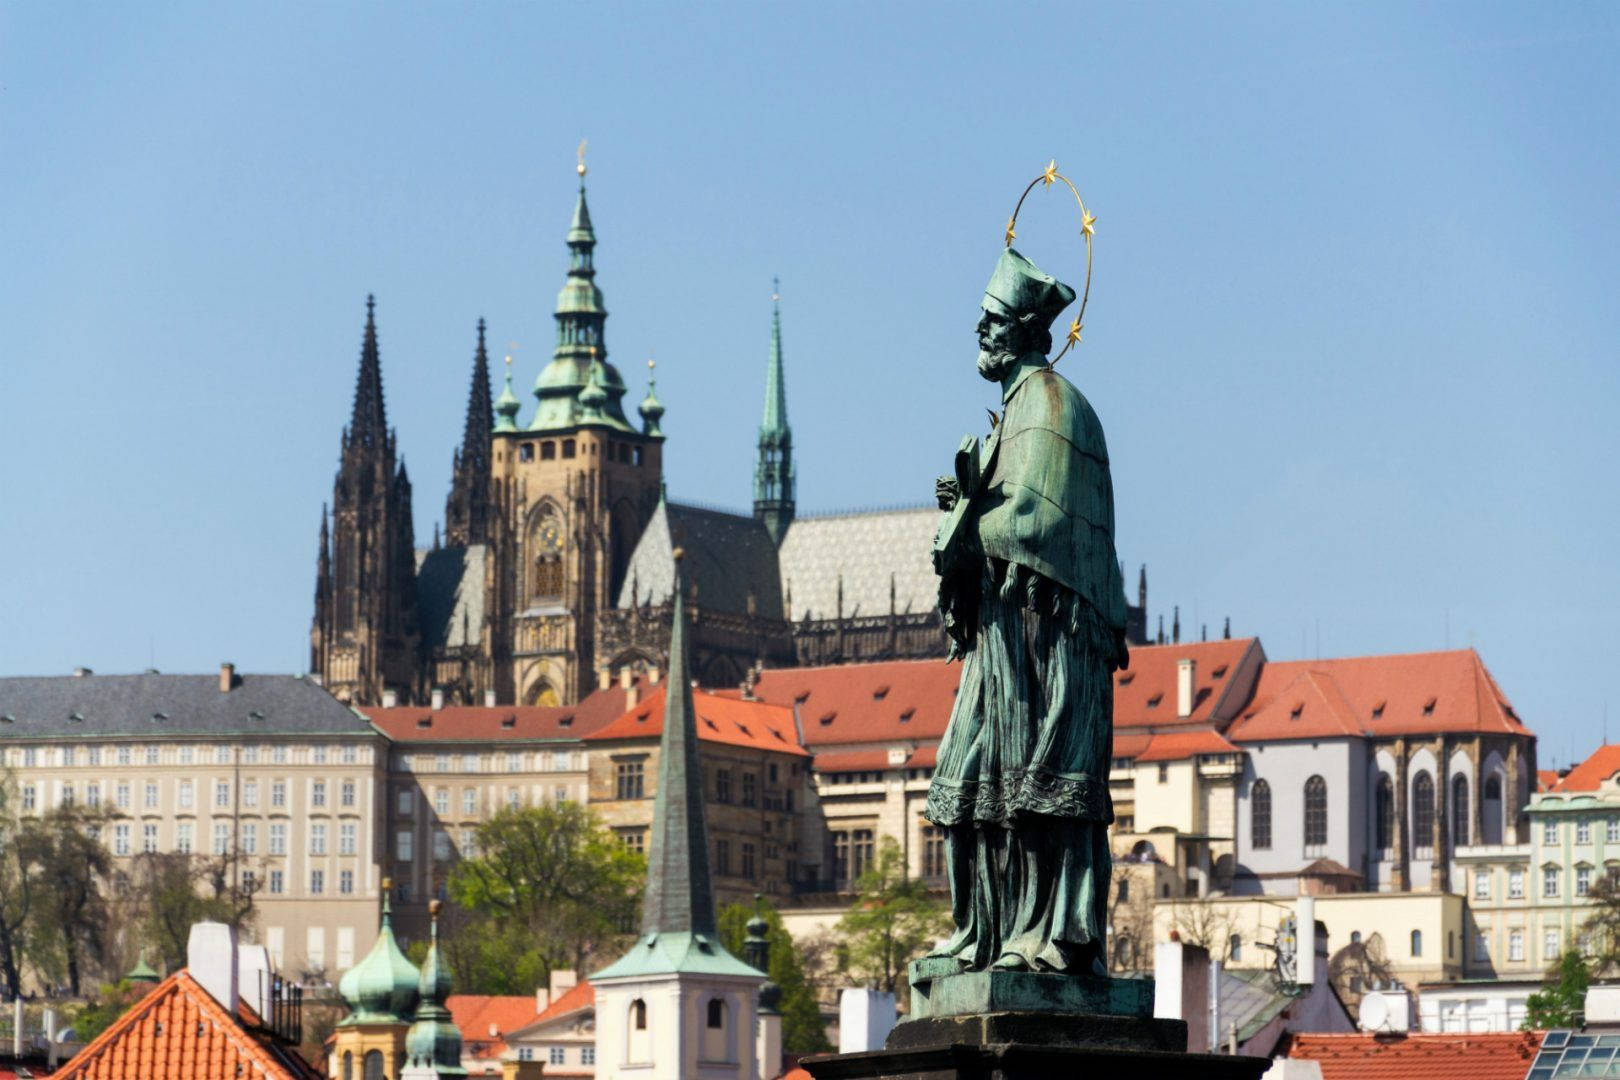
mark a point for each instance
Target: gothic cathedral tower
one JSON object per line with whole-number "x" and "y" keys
{"x": 365, "y": 638}
{"x": 573, "y": 490}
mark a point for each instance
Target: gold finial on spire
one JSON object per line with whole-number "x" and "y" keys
{"x": 651, "y": 363}
{"x": 580, "y": 168}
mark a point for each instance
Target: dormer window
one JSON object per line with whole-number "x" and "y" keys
{"x": 1378, "y": 710}
{"x": 826, "y": 721}
{"x": 1428, "y": 707}
{"x": 1153, "y": 702}
{"x": 1296, "y": 711}
{"x": 1126, "y": 678}
{"x": 424, "y": 722}
{"x": 880, "y": 693}
{"x": 1218, "y": 672}
{"x": 905, "y": 717}
{"x": 508, "y": 721}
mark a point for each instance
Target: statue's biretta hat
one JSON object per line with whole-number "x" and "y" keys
{"x": 1019, "y": 287}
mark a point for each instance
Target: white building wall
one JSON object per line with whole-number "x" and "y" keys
{"x": 1286, "y": 766}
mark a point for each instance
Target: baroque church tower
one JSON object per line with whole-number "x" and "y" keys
{"x": 574, "y": 490}
{"x": 365, "y": 639}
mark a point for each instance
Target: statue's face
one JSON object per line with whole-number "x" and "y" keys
{"x": 996, "y": 351}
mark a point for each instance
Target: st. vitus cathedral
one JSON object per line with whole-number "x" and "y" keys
{"x": 556, "y": 567}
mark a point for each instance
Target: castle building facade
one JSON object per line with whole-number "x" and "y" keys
{"x": 554, "y": 570}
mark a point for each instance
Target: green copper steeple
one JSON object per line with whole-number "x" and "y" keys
{"x": 773, "y": 472}
{"x": 677, "y": 912}
{"x": 381, "y": 989}
{"x": 580, "y": 321}
{"x": 433, "y": 1045}
{"x": 507, "y": 405}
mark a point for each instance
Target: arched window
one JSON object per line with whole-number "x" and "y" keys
{"x": 1417, "y": 943}
{"x": 638, "y": 1015}
{"x": 1459, "y": 810}
{"x": 1384, "y": 814}
{"x": 1260, "y": 816}
{"x": 545, "y": 554}
{"x": 1234, "y": 948}
{"x": 372, "y": 1065}
{"x": 1423, "y": 814}
{"x": 1316, "y": 813}
{"x": 348, "y": 1065}
{"x": 717, "y": 1013}
{"x": 1490, "y": 811}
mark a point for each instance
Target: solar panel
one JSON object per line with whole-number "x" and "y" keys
{"x": 1568, "y": 1053}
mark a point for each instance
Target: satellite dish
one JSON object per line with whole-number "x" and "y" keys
{"x": 1374, "y": 1012}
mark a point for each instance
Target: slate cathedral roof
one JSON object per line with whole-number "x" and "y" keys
{"x": 450, "y": 595}
{"x": 730, "y": 560}
{"x": 865, "y": 551}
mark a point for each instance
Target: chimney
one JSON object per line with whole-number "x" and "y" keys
{"x": 489, "y": 699}
{"x": 227, "y": 677}
{"x": 1305, "y": 947}
{"x": 540, "y": 1002}
{"x": 390, "y": 699}
{"x": 625, "y": 678}
{"x": 1181, "y": 981}
{"x": 1185, "y": 670}
{"x": 81, "y": 672}
{"x": 211, "y": 960}
{"x": 604, "y": 678}
{"x": 562, "y": 982}
{"x": 652, "y": 676}
{"x": 632, "y": 695}
{"x": 253, "y": 971}
{"x": 438, "y": 698}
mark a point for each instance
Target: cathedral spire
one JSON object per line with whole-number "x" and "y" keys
{"x": 466, "y": 512}
{"x": 773, "y": 470}
{"x": 369, "y": 425}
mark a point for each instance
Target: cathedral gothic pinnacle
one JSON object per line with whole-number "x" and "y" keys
{"x": 773, "y": 472}
{"x": 467, "y": 510}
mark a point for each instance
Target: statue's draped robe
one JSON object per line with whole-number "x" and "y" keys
{"x": 1035, "y": 596}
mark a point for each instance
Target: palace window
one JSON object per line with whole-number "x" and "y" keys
{"x": 1316, "y": 814}
{"x": 346, "y": 796}
{"x": 1516, "y": 946}
{"x": 1549, "y": 882}
{"x": 749, "y": 797}
{"x": 722, "y": 857}
{"x": 1549, "y": 943}
{"x": 548, "y": 451}
{"x": 631, "y": 777}
{"x": 1259, "y": 816}
{"x": 633, "y": 839}
{"x": 1515, "y": 884}
{"x": 722, "y": 785}
{"x": 1583, "y": 880}
{"x": 748, "y": 868}
{"x": 1549, "y": 832}
{"x": 933, "y": 852}
{"x": 1482, "y": 885}
{"x": 1583, "y": 832}
{"x": 1417, "y": 943}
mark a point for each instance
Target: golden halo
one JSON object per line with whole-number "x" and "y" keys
{"x": 1088, "y": 222}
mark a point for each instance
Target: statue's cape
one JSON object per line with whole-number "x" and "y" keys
{"x": 1048, "y": 500}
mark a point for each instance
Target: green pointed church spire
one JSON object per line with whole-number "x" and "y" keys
{"x": 507, "y": 405}
{"x": 433, "y": 1044}
{"x": 773, "y": 472}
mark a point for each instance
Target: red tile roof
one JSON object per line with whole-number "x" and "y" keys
{"x": 1433, "y": 1056}
{"x": 1128, "y": 744}
{"x": 1588, "y": 775}
{"x": 1406, "y": 694}
{"x": 1180, "y": 745}
{"x": 854, "y": 761}
{"x": 894, "y": 701}
{"x": 732, "y": 721}
{"x": 582, "y": 995}
{"x": 1145, "y": 692}
{"x": 476, "y": 1014}
{"x": 1546, "y": 779}
{"x": 179, "y": 1032}
{"x": 516, "y": 723}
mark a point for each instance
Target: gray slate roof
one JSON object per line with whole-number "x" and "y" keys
{"x": 450, "y": 595}
{"x": 728, "y": 558}
{"x": 864, "y": 549}
{"x": 42, "y": 707}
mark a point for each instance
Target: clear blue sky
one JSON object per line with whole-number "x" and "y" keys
{"x": 1352, "y": 333}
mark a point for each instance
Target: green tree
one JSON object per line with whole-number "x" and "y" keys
{"x": 548, "y": 888}
{"x": 802, "y": 1028}
{"x": 1602, "y": 927}
{"x": 113, "y": 1001}
{"x": 69, "y": 925}
{"x": 893, "y": 921}
{"x": 173, "y": 890}
{"x": 20, "y": 870}
{"x": 1561, "y": 1001}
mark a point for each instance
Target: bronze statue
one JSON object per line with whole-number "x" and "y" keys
{"x": 1033, "y": 600}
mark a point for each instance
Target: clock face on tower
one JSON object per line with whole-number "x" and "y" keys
{"x": 549, "y": 537}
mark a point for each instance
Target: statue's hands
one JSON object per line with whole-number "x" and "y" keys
{"x": 947, "y": 491}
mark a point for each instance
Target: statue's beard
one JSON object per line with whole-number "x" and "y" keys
{"x": 995, "y": 363}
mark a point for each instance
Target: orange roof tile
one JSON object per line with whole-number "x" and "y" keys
{"x": 1404, "y": 694}
{"x": 1603, "y": 763}
{"x": 733, "y": 721}
{"x": 1180, "y": 745}
{"x": 1547, "y": 779}
{"x": 1128, "y": 744}
{"x": 1145, "y": 691}
{"x": 851, "y": 703}
{"x": 179, "y": 1032}
{"x": 1432, "y": 1056}
{"x": 477, "y": 1014}
{"x": 582, "y": 995}
{"x": 517, "y": 723}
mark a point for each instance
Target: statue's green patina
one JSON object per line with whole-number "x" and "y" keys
{"x": 1033, "y": 600}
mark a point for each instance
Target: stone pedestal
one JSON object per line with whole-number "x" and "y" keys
{"x": 1019, "y": 1025}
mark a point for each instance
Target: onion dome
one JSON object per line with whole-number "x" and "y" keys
{"x": 507, "y": 405}
{"x": 434, "y": 1041}
{"x": 594, "y": 397}
{"x": 381, "y": 989}
{"x": 652, "y": 410}
{"x": 142, "y": 972}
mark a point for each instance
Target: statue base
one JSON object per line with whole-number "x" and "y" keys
{"x": 1021, "y": 1025}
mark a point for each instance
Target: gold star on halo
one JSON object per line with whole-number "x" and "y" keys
{"x": 1010, "y": 234}
{"x": 1051, "y": 172}
{"x": 1087, "y": 220}
{"x": 1074, "y": 332}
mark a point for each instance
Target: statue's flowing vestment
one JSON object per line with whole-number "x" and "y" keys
{"x": 1032, "y": 593}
